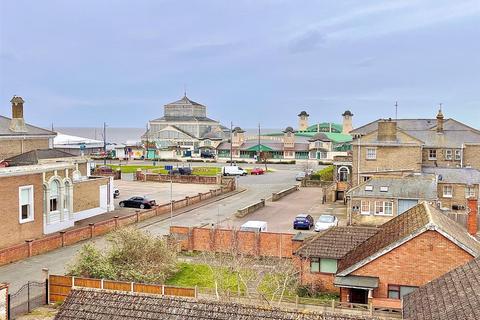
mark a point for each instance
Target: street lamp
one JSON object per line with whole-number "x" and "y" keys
{"x": 171, "y": 202}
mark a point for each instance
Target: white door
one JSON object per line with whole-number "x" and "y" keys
{"x": 103, "y": 197}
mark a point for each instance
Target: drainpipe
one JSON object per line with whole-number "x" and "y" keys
{"x": 461, "y": 155}
{"x": 358, "y": 162}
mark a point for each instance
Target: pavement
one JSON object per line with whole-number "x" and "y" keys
{"x": 279, "y": 215}
{"x": 257, "y": 187}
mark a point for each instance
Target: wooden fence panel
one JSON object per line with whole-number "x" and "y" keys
{"x": 117, "y": 285}
{"x": 147, "y": 288}
{"x": 60, "y": 287}
{"x": 88, "y": 283}
{"x": 181, "y": 292}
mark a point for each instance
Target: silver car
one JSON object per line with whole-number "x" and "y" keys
{"x": 326, "y": 221}
{"x": 300, "y": 176}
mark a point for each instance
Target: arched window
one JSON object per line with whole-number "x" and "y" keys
{"x": 343, "y": 174}
{"x": 54, "y": 195}
{"x": 66, "y": 196}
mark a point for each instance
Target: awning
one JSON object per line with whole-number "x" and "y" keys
{"x": 261, "y": 148}
{"x": 356, "y": 282}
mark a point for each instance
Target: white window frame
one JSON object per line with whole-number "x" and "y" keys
{"x": 448, "y": 154}
{"x": 458, "y": 154}
{"x": 371, "y": 153}
{"x": 446, "y": 195}
{"x": 430, "y": 152}
{"x": 361, "y": 207}
{"x": 31, "y": 204}
{"x": 469, "y": 192}
{"x": 390, "y": 205}
{"x": 383, "y": 206}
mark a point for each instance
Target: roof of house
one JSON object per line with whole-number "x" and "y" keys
{"x": 468, "y": 176}
{"x": 337, "y": 128}
{"x": 402, "y": 228}
{"x": 422, "y": 187}
{"x": 251, "y": 145}
{"x": 32, "y": 157}
{"x": 185, "y": 101}
{"x": 84, "y": 303}
{"x": 335, "y": 242}
{"x": 454, "y": 132}
{"x": 183, "y": 119}
{"x": 31, "y": 130}
{"x": 453, "y": 296}
{"x": 320, "y": 136}
{"x": 212, "y": 135}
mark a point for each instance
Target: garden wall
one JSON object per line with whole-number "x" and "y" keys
{"x": 65, "y": 238}
{"x": 278, "y": 195}
{"x": 267, "y": 244}
{"x": 192, "y": 179}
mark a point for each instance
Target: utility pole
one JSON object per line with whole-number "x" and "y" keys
{"x": 231, "y": 142}
{"x": 396, "y": 110}
{"x": 171, "y": 202}
{"x": 146, "y": 145}
{"x": 105, "y": 143}
{"x": 259, "y": 145}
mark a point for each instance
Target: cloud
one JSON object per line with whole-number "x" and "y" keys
{"x": 306, "y": 42}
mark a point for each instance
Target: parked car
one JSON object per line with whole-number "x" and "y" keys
{"x": 255, "y": 226}
{"x": 116, "y": 193}
{"x": 303, "y": 221}
{"x": 326, "y": 221}
{"x": 300, "y": 176}
{"x": 185, "y": 171}
{"x": 257, "y": 171}
{"x": 138, "y": 202}
{"x": 308, "y": 172}
{"x": 207, "y": 154}
{"x": 103, "y": 169}
{"x": 233, "y": 171}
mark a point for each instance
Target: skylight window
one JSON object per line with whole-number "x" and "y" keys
{"x": 383, "y": 189}
{"x": 368, "y": 188}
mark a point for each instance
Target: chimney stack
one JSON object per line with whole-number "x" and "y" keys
{"x": 347, "y": 122}
{"x": 387, "y": 130}
{"x": 472, "y": 219}
{"x": 440, "y": 121}
{"x": 17, "y": 124}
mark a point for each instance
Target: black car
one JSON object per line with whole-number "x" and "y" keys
{"x": 138, "y": 202}
{"x": 185, "y": 171}
{"x": 207, "y": 154}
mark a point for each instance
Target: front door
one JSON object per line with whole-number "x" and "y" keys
{"x": 358, "y": 296}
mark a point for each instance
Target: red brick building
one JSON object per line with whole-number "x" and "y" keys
{"x": 408, "y": 251}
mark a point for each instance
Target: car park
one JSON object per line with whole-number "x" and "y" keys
{"x": 326, "y": 221}
{"x": 303, "y": 221}
{"x": 257, "y": 171}
{"x": 300, "y": 176}
{"x": 138, "y": 202}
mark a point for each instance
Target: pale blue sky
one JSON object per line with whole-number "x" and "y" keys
{"x": 82, "y": 62}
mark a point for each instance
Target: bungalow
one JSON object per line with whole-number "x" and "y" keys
{"x": 453, "y": 296}
{"x": 318, "y": 257}
{"x": 381, "y": 198}
{"x": 407, "y": 252}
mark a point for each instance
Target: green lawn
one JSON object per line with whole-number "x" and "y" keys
{"x": 198, "y": 171}
{"x": 191, "y": 275}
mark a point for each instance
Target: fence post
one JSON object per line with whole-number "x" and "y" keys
{"x": 370, "y": 306}
{"x": 163, "y": 290}
{"x": 92, "y": 226}
{"x": 116, "y": 221}
{"x": 62, "y": 233}
{"x": 47, "y": 285}
{"x": 333, "y": 306}
{"x": 196, "y": 291}
{"x": 8, "y": 306}
{"x": 296, "y": 301}
{"x": 131, "y": 286}
{"x": 28, "y": 296}
{"x": 29, "y": 242}
{"x": 137, "y": 212}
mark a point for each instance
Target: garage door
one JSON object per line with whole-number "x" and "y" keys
{"x": 405, "y": 204}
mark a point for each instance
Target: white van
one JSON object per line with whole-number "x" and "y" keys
{"x": 233, "y": 171}
{"x": 255, "y": 226}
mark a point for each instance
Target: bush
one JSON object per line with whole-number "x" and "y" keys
{"x": 315, "y": 291}
{"x": 131, "y": 255}
{"x": 326, "y": 174}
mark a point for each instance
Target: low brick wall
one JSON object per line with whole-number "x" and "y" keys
{"x": 190, "y": 179}
{"x": 266, "y": 244}
{"x": 250, "y": 209}
{"x": 278, "y": 195}
{"x": 65, "y": 238}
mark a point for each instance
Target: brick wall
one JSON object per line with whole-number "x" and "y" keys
{"x": 441, "y": 160}
{"x": 458, "y": 196}
{"x": 13, "y": 147}
{"x": 86, "y": 194}
{"x": 320, "y": 281}
{"x": 178, "y": 178}
{"x": 418, "y": 261}
{"x": 388, "y": 158}
{"x": 65, "y": 238}
{"x": 471, "y": 156}
{"x": 234, "y": 241}
{"x": 11, "y": 229}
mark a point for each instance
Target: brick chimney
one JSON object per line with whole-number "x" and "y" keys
{"x": 440, "y": 119}
{"x": 472, "y": 219}
{"x": 303, "y": 121}
{"x": 17, "y": 124}
{"x": 347, "y": 122}
{"x": 387, "y": 130}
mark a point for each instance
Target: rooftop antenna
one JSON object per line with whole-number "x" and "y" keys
{"x": 396, "y": 110}
{"x": 184, "y": 90}
{"x": 440, "y": 106}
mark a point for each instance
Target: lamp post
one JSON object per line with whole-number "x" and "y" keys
{"x": 171, "y": 202}
{"x": 231, "y": 142}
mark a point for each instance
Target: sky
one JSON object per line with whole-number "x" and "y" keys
{"x": 84, "y": 62}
